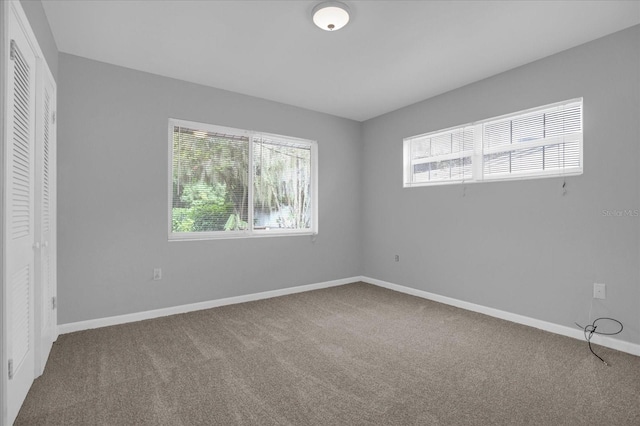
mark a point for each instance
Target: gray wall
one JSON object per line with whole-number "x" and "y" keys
{"x": 40, "y": 25}
{"x": 112, "y": 196}
{"x": 519, "y": 246}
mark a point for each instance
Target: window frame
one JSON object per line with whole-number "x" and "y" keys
{"x": 477, "y": 157}
{"x": 249, "y": 232}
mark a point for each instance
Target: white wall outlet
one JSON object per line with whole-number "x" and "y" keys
{"x": 397, "y": 258}
{"x": 157, "y": 274}
{"x": 599, "y": 291}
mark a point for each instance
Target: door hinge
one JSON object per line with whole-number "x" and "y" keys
{"x": 10, "y": 369}
{"x": 53, "y": 303}
{"x": 12, "y": 50}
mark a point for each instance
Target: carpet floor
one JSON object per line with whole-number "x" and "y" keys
{"x": 350, "y": 355}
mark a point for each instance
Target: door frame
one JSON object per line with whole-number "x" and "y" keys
{"x": 4, "y": 34}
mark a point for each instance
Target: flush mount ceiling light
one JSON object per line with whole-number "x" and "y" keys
{"x": 331, "y": 15}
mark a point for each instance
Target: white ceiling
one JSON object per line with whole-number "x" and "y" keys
{"x": 391, "y": 54}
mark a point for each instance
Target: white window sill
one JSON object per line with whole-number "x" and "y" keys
{"x": 205, "y": 236}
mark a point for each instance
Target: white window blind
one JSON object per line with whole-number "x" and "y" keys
{"x": 210, "y": 183}
{"x": 235, "y": 183}
{"x": 445, "y": 156}
{"x": 282, "y": 183}
{"x": 545, "y": 141}
{"x": 540, "y": 142}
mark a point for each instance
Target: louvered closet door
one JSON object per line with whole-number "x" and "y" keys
{"x": 45, "y": 216}
{"x": 19, "y": 216}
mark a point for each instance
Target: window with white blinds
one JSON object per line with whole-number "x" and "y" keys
{"x": 541, "y": 142}
{"x": 229, "y": 183}
{"x": 442, "y": 157}
{"x": 281, "y": 183}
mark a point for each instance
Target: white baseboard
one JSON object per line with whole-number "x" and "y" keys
{"x": 163, "y": 312}
{"x": 574, "y": 332}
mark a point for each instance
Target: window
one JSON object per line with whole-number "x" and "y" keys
{"x": 228, "y": 183}
{"x": 541, "y": 142}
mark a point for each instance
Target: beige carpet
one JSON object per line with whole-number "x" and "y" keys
{"x": 350, "y": 355}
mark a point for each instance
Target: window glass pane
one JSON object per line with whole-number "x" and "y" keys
{"x": 544, "y": 142}
{"x": 458, "y": 142}
{"x": 420, "y": 148}
{"x": 563, "y": 121}
{"x": 526, "y": 160}
{"x": 441, "y": 144}
{"x": 440, "y": 170}
{"x": 572, "y": 151}
{"x": 498, "y": 163}
{"x": 528, "y": 128}
{"x": 456, "y": 169}
{"x": 462, "y": 140}
{"x": 282, "y": 184}
{"x": 497, "y": 134}
{"x": 421, "y": 172}
{"x": 563, "y": 155}
{"x": 461, "y": 168}
{"x": 210, "y": 181}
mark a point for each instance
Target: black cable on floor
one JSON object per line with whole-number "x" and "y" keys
{"x": 591, "y": 329}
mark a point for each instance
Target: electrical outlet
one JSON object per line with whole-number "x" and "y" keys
{"x": 397, "y": 258}
{"x": 157, "y": 274}
{"x": 599, "y": 291}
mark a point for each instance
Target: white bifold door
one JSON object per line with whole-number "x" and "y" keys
{"x": 29, "y": 244}
{"x": 45, "y": 237}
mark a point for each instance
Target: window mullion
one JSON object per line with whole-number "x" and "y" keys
{"x": 477, "y": 160}
{"x": 250, "y": 171}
